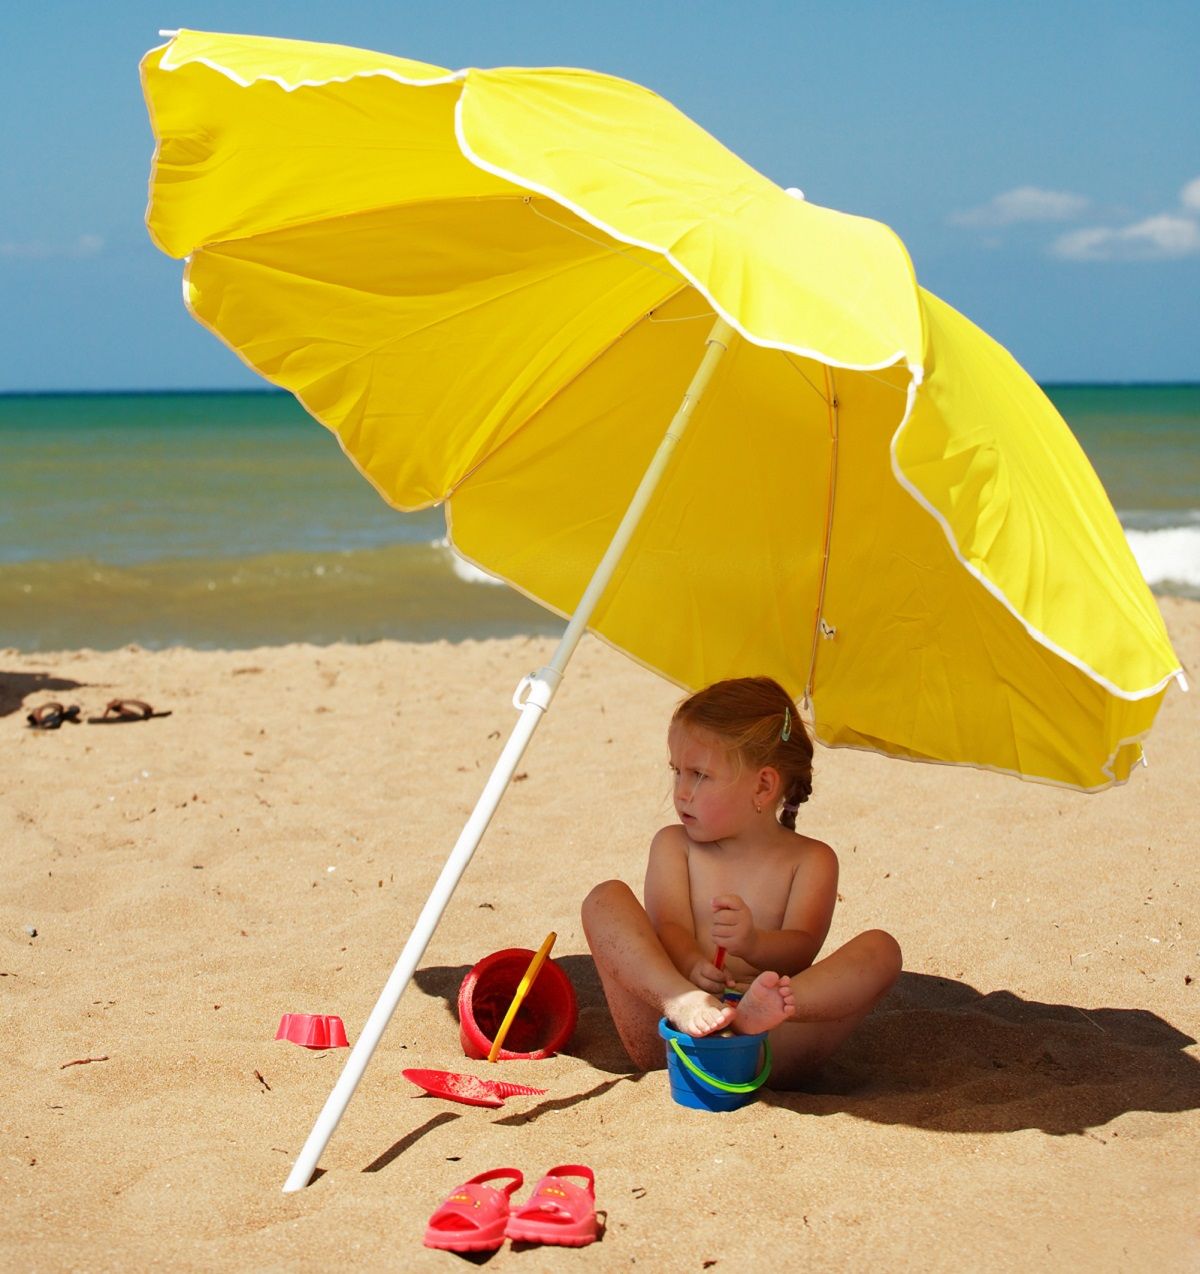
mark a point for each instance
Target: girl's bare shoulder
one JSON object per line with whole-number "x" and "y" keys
{"x": 672, "y": 831}
{"x": 670, "y": 839}
{"x": 809, "y": 853}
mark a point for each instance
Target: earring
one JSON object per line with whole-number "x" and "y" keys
{"x": 757, "y": 808}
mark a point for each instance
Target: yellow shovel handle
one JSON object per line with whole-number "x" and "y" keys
{"x": 535, "y": 967}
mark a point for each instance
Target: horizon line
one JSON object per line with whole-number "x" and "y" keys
{"x": 275, "y": 390}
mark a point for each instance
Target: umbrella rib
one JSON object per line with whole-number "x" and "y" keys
{"x": 620, "y": 252}
{"x": 564, "y": 384}
{"x": 820, "y": 628}
{"x": 683, "y": 318}
{"x": 496, "y": 196}
{"x": 887, "y": 384}
{"x": 800, "y": 372}
{"x": 366, "y": 351}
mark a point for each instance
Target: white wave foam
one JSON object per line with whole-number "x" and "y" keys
{"x": 1168, "y": 556}
{"x": 466, "y": 571}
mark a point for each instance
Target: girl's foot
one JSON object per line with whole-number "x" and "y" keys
{"x": 767, "y": 1002}
{"x": 698, "y": 1013}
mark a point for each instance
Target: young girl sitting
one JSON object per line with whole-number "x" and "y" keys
{"x": 734, "y": 876}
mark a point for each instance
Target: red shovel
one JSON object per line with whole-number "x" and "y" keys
{"x": 730, "y": 997}
{"x": 468, "y": 1088}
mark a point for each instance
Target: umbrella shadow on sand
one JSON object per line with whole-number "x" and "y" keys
{"x": 939, "y": 1055}
{"x": 16, "y": 687}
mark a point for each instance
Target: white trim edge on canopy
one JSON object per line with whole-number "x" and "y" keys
{"x": 915, "y": 369}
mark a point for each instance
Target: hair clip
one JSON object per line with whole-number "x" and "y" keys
{"x": 787, "y": 725}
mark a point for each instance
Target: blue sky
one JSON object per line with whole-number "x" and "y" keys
{"x": 1040, "y": 161}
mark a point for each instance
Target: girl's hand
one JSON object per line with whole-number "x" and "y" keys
{"x": 708, "y": 977}
{"x": 733, "y": 925}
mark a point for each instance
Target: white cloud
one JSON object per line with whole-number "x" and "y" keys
{"x": 1161, "y": 238}
{"x": 86, "y": 245}
{"x": 1025, "y": 203}
{"x": 1165, "y": 236}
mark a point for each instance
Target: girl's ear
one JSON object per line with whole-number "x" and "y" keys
{"x": 769, "y": 787}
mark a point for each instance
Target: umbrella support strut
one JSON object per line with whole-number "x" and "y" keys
{"x": 532, "y": 697}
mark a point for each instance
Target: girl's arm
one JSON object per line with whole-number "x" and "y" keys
{"x": 806, "y": 918}
{"x": 669, "y": 906}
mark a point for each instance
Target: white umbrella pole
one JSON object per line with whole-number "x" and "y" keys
{"x": 533, "y": 697}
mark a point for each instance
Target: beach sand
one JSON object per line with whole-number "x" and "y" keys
{"x": 1026, "y": 1099}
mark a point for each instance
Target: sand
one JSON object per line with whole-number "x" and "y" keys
{"x": 1026, "y": 1098}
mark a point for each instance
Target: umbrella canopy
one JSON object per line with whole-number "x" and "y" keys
{"x": 495, "y": 285}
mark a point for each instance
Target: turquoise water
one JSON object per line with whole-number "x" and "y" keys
{"x": 1144, "y": 442}
{"x": 232, "y": 520}
{"x": 214, "y": 520}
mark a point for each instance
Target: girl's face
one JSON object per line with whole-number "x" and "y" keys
{"x": 714, "y": 796}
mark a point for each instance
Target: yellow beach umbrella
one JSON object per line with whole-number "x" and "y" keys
{"x": 497, "y": 286}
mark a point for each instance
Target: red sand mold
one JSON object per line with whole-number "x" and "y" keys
{"x": 313, "y": 1030}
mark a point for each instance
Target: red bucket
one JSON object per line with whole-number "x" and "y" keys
{"x": 544, "y": 1022}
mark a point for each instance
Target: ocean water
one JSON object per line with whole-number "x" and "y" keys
{"x": 233, "y": 520}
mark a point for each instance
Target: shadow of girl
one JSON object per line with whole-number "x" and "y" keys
{"x": 938, "y": 1055}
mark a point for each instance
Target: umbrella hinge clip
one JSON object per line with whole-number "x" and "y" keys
{"x": 828, "y": 631}
{"x": 537, "y": 689}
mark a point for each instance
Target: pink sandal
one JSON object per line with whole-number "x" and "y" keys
{"x": 473, "y": 1218}
{"x": 558, "y": 1211}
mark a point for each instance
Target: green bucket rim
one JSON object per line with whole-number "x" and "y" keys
{"x": 723, "y": 1085}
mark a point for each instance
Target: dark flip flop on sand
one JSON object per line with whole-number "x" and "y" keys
{"x": 118, "y": 711}
{"x": 49, "y": 716}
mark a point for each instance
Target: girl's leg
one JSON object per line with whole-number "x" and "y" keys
{"x": 640, "y": 981}
{"x": 832, "y": 998}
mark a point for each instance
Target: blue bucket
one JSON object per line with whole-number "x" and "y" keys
{"x": 714, "y": 1072}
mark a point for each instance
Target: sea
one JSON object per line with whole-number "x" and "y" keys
{"x": 227, "y": 520}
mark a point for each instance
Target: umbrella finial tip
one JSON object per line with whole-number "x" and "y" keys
{"x": 794, "y": 191}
